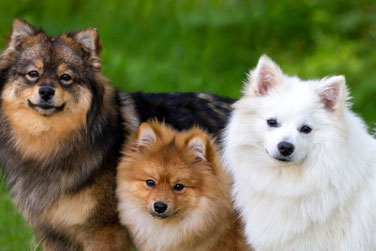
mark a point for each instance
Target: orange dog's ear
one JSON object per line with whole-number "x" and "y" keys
{"x": 197, "y": 144}
{"x": 21, "y": 30}
{"x": 146, "y": 135}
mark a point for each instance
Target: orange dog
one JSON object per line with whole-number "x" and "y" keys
{"x": 173, "y": 193}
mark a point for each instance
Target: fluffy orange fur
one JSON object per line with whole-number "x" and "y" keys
{"x": 200, "y": 216}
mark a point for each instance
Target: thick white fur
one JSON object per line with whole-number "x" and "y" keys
{"x": 325, "y": 199}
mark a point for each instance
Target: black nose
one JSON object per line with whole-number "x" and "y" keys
{"x": 160, "y": 207}
{"x": 285, "y": 148}
{"x": 46, "y": 92}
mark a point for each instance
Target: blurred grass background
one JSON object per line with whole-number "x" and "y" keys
{"x": 198, "y": 45}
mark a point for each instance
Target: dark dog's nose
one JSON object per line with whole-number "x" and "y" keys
{"x": 160, "y": 207}
{"x": 46, "y": 93}
{"x": 285, "y": 148}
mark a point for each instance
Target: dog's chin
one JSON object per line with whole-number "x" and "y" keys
{"x": 46, "y": 109}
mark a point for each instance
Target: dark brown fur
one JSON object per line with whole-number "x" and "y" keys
{"x": 60, "y": 164}
{"x": 60, "y": 167}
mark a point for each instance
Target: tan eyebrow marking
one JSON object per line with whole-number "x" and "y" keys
{"x": 38, "y": 64}
{"x": 63, "y": 68}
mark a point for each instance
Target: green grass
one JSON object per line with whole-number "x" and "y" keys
{"x": 14, "y": 235}
{"x": 195, "y": 45}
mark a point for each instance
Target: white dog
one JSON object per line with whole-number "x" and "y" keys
{"x": 303, "y": 164}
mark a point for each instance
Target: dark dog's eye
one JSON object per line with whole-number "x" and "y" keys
{"x": 65, "y": 78}
{"x": 150, "y": 183}
{"x": 305, "y": 129}
{"x": 33, "y": 74}
{"x": 178, "y": 187}
{"x": 272, "y": 123}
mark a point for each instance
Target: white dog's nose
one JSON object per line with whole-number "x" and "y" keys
{"x": 285, "y": 148}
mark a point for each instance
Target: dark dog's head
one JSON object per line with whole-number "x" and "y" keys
{"x": 48, "y": 84}
{"x": 48, "y": 75}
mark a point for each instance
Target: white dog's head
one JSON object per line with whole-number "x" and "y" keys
{"x": 285, "y": 115}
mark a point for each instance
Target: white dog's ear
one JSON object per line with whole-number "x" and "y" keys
{"x": 197, "y": 144}
{"x": 333, "y": 92}
{"x": 146, "y": 135}
{"x": 265, "y": 76}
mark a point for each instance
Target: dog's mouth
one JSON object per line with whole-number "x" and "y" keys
{"x": 279, "y": 158}
{"x": 162, "y": 216}
{"x": 46, "y": 109}
{"x": 282, "y": 159}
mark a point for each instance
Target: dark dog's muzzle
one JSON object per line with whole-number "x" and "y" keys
{"x": 46, "y": 93}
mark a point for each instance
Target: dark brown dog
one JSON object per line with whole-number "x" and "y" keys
{"x": 61, "y": 130}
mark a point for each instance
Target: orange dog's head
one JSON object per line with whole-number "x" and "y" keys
{"x": 167, "y": 173}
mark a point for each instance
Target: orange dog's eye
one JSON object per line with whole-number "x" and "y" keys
{"x": 178, "y": 187}
{"x": 150, "y": 183}
{"x": 33, "y": 74}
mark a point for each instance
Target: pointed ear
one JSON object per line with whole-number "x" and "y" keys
{"x": 146, "y": 135}
{"x": 88, "y": 39}
{"x": 20, "y": 31}
{"x": 198, "y": 145}
{"x": 332, "y": 92}
{"x": 265, "y": 76}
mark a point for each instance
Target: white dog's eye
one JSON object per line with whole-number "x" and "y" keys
{"x": 272, "y": 123}
{"x": 305, "y": 129}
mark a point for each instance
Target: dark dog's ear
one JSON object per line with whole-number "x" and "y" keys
{"x": 21, "y": 30}
{"x": 89, "y": 41}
